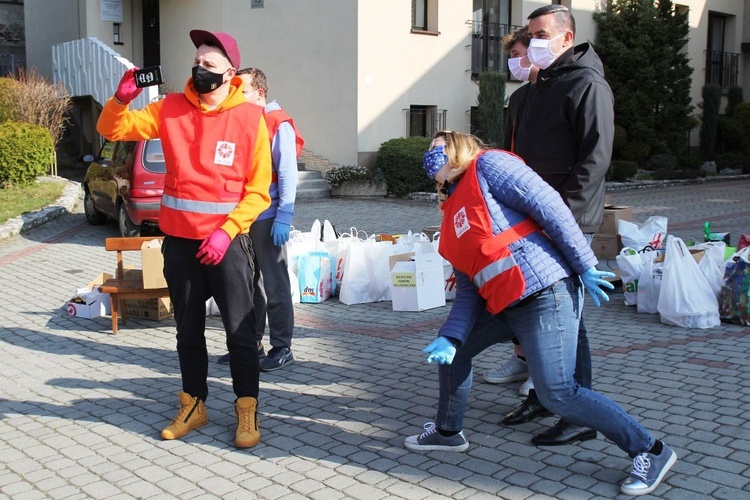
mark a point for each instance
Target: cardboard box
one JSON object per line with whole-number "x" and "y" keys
{"x": 606, "y": 246}
{"x": 417, "y": 281}
{"x": 89, "y": 302}
{"x": 153, "y": 265}
{"x": 697, "y": 255}
{"x": 155, "y": 309}
{"x": 612, "y": 214}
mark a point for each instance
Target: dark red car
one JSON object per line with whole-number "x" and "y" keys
{"x": 125, "y": 182}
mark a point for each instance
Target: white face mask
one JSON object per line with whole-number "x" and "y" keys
{"x": 517, "y": 70}
{"x": 540, "y": 53}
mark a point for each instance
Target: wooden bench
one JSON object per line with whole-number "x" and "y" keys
{"x": 121, "y": 288}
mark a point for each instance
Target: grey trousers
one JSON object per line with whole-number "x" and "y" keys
{"x": 273, "y": 294}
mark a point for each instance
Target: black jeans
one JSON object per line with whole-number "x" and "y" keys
{"x": 273, "y": 293}
{"x": 230, "y": 283}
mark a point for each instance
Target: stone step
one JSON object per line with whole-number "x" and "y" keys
{"x": 312, "y": 185}
{"x": 307, "y": 194}
{"x": 309, "y": 175}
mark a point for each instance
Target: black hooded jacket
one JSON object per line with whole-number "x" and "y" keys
{"x": 565, "y": 129}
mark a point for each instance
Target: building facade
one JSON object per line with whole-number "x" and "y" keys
{"x": 356, "y": 73}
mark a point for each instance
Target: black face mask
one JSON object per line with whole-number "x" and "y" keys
{"x": 206, "y": 81}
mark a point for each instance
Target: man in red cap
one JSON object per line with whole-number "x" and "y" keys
{"x": 218, "y": 158}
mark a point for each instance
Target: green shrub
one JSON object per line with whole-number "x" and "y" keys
{"x": 742, "y": 116}
{"x": 490, "y": 108}
{"x": 352, "y": 173}
{"x": 734, "y": 97}
{"x": 734, "y": 160}
{"x": 730, "y": 135}
{"x": 636, "y": 151}
{"x": 670, "y": 174}
{"x": 621, "y": 139}
{"x": 7, "y": 99}
{"x": 710, "y": 123}
{"x": 401, "y": 163}
{"x": 26, "y": 152}
{"x": 662, "y": 162}
{"x": 689, "y": 162}
{"x": 622, "y": 170}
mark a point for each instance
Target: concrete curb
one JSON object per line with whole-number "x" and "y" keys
{"x": 62, "y": 205}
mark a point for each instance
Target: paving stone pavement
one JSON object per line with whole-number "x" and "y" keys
{"x": 82, "y": 409}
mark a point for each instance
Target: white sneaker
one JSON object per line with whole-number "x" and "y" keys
{"x": 525, "y": 387}
{"x": 513, "y": 369}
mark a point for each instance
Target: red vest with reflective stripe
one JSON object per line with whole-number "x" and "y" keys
{"x": 274, "y": 119}
{"x": 467, "y": 242}
{"x": 207, "y": 158}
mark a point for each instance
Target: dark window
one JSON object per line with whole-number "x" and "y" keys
{"x": 424, "y": 121}
{"x": 419, "y": 14}
{"x": 153, "y": 157}
{"x": 722, "y": 68}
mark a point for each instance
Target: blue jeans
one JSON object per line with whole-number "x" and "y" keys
{"x": 547, "y": 327}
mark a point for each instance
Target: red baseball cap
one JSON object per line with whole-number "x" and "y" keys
{"x": 222, "y": 40}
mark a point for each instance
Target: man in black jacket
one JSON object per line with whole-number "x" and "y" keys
{"x": 564, "y": 131}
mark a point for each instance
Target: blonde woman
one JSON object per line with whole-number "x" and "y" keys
{"x": 521, "y": 266}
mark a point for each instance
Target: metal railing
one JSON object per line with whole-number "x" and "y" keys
{"x": 487, "y": 52}
{"x": 424, "y": 122}
{"x": 722, "y": 68}
{"x": 89, "y": 67}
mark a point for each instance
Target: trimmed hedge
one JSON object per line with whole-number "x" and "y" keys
{"x": 26, "y": 152}
{"x": 400, "y": 160}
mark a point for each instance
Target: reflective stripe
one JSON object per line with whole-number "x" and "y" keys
{"x": 198, "y": 207}
{"x": 492, "y": 270}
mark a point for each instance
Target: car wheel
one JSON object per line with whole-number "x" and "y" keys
{"x": 95, "y": 217}
{"x": 127, "y": 227}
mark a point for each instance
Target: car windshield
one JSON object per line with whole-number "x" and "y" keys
{"x": 153, "y": 157}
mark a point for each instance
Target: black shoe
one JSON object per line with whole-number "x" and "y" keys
{"x": 530, "y": 409}
{"x": 224, "y": 360}
{"x": 277, "y": 358}
{"x": 563, "y": 433}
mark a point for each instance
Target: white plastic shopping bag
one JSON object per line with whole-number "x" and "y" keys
{"x": 686, "y": 298}
{"x": 337, "y": 249}
{"x": 449, "y": 274}
{"x": 649, "y": 286}
{"x": 367, "y": 272}
{"x": 314, "y": 274}
{"x": 300, "y": 243}
{"x": 631, "y": 264}
{"x": 649, "y": 235}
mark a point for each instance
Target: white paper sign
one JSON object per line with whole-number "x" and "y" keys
{"x": 111, "y": 10}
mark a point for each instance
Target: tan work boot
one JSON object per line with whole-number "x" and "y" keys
{"x": 248, "y": 428}
{"x": 192, "y": 415}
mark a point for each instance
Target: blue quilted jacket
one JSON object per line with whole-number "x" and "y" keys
{"x": 514, "y": 192}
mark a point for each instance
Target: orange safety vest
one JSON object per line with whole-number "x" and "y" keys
{"x": 208, "y": 157}
{"x": 274, "y": 119}
{"x": 467, "y": 242}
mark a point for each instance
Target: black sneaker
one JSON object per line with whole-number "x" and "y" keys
{"x": 277, "y": 358}
{"x": 224, "y": 360}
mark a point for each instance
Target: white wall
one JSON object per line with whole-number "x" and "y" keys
{"x": 52, "y": 22}
{"x": 307, "y": 50}
{"x": 398, "y": 68}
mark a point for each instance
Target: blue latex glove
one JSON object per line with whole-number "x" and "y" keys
{"x": 593, "y": 279}
{"x": 280, "y": 233}
{"x": 441, "y": 351}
